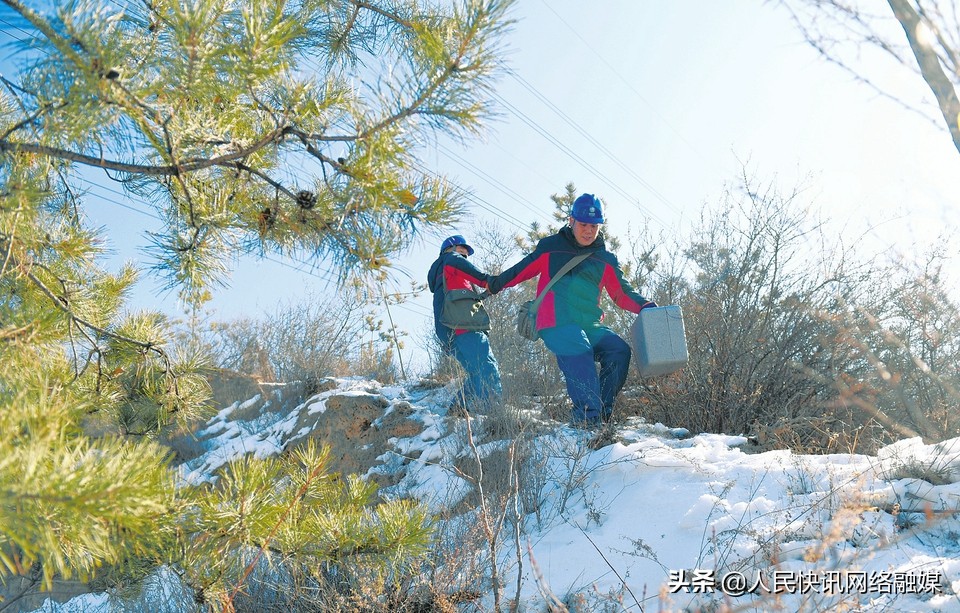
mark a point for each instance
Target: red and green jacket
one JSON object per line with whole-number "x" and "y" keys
{"x": 458, "y": 273}
{"x": 575, "y": 297}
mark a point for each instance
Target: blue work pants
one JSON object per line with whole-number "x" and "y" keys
{"x": 482, "y": 387}
{"x": 577, "y": 351}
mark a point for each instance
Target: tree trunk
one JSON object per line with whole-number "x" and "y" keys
{"x": 930, "y": 68}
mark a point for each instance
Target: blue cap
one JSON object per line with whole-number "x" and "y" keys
{"x": 453, "y": 241}
{"x": 587, "y": 209}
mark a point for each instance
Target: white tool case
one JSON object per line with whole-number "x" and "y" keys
{"x": 659, "y": 341}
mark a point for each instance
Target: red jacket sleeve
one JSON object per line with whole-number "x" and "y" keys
{"x": 622, "y": 293}
{"x": 527, "y": 268}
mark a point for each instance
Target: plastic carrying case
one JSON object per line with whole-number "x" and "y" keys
{"x": 659, "y": 340}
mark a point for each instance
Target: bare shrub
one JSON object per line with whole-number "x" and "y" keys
{"x": 341, "y": 590}
{"x": 812, "y": 352}
{"x": 751, "y": 290}
{"x": 375, "y": 361}
{"x": 814, "y": 434}
{"x": 317, "y": 337}
{"x": 904, "y": 346}
{"x": 457, "y": 565}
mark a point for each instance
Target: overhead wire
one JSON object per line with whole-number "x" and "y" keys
{"x": 623, "y": 79}
{"x": 465, "y": 193}
{"x": 630, "y": 198}
{"x": 493, "y": 181}
{"x": 592, "y": 139}
{"x": 480, "y": 202}
{"x": 18, "y": 28}
{"x": 91, "y": 184}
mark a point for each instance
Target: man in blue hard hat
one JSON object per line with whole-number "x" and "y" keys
{"x": 452, "y": 270}
{"x": 569, "y": 319}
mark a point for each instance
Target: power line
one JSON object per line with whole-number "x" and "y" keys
{"x": 18, "y": 28}
{"x": 468, "y": 194}
{"x": 480, "y": 202}
{"x": 577, "y": 158}
{"x": 89, "y": 184}
{"x": 519, "y": 199}
{"x": 629, "y": 85}
{"x": 586, "y": 134}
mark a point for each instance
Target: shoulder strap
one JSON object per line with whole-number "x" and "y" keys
{"x": 564, "y": 270}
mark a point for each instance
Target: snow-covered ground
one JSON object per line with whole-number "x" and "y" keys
{"x": 654, "y": 522}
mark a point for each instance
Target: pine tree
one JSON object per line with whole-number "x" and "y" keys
{"x": 250, "y": 127}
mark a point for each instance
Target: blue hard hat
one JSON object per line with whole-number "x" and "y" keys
{"x": 587, "y": 209}
{"x": 453, "y": 241}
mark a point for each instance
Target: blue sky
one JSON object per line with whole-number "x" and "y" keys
{"x": 653, "y": 106}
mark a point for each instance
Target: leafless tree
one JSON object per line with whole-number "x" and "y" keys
{"x": 920, "y": 35}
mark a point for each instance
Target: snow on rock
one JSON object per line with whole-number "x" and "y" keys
{"x": 351, "y": 416}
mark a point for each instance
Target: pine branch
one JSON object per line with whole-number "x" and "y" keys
{"x": 396, "y": 18}
{"x": 175, "y": 170}
{"x": 64, "y": 305}
{"x": 301, "y": 493}
{"x": 13, "y": 334}
{"x": 30, "y": 119}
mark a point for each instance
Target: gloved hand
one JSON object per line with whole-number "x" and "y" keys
{"x": 484, "y": 294}
{"x": 649, "y": 303}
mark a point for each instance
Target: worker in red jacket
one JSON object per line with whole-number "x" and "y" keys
{"x": 452, "y": 270}
{"x": 569, "y": 319}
